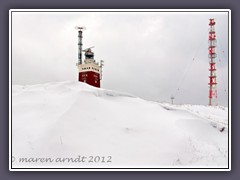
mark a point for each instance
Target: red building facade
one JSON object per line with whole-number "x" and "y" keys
{"x": 91, "y": 78}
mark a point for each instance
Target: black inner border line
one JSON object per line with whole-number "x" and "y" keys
{"x": 121, "y": 11}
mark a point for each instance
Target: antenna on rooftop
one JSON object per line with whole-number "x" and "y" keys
{"x": 80, "y": 29}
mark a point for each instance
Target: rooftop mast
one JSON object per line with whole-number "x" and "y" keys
{"x": 79, "y": 29}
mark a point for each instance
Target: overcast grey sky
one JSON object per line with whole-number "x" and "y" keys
{"x": 148, "y": 54}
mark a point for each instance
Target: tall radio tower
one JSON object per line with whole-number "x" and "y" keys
{"x": 212, "y": 55}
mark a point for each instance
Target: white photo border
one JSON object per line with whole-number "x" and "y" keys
{"x": 120, "y": 169}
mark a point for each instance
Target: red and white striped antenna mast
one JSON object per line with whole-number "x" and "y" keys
{"x": 212, "y": 55}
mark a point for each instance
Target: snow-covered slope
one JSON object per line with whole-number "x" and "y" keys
{"x": 75, "y": 120}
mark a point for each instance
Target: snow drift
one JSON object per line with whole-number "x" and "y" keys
{"x": 72, "y": 120}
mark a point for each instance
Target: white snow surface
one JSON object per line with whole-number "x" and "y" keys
{"x": 72, "y": 119}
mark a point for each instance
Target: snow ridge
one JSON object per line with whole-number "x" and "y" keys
{"x": 72, "y": 119}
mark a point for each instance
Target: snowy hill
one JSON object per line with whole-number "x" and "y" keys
{"x": 73, "y": 120}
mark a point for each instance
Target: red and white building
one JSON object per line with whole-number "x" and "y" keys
{"x": 90, "y": 70}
